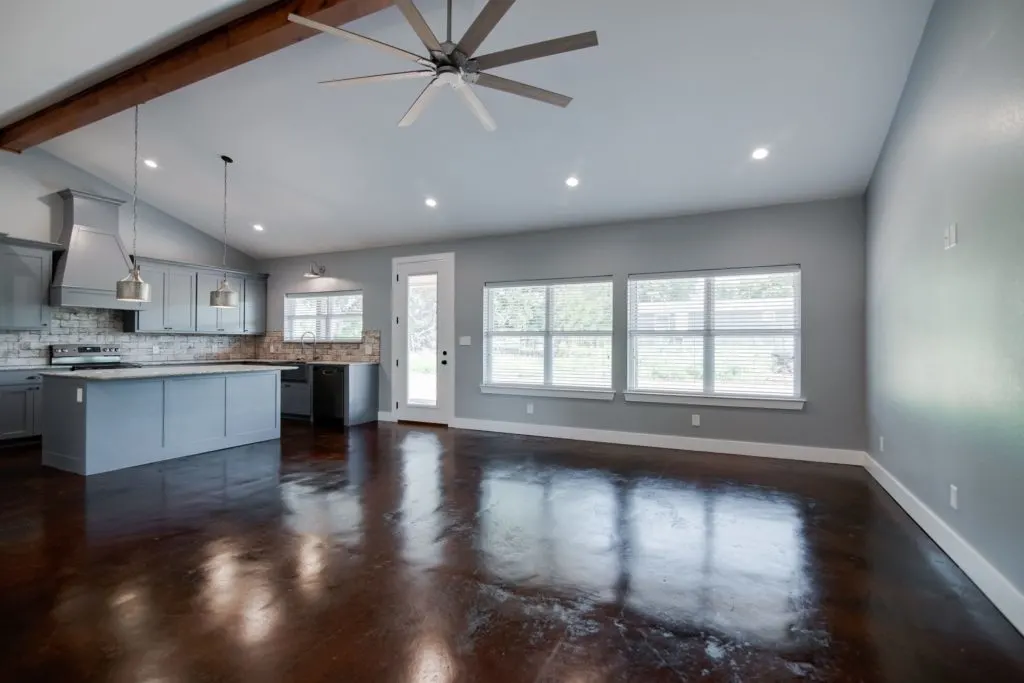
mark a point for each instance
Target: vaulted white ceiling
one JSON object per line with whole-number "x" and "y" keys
{"x": 666, "y": 113}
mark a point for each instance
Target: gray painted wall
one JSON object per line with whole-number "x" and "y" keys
{"x": 29, "y": 208}
{"x": 825, "y": 238}
{"x": 946, "y": 328}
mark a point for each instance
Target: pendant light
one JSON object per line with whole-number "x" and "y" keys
{"x": 131, "y": 287}
{"x": 224, "y": 296}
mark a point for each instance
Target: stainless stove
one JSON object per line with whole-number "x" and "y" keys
{"x": 88, "y": 357}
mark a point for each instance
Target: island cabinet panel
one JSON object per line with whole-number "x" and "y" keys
{"x": 132, "y": 413}
{"x": 252, "y": 404}
{"x": 194, "y": 412}
{"x": 100, "y": 425}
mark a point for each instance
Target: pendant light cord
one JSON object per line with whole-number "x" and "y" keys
{"x": 135, "y": 196}
{"x": 224, "y": 261}
{"x": 449, "y": 21}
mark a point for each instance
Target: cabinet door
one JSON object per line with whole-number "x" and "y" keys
{"x": 180, "y": 300}
{"x": 37, "y": 411}
{"x": 255, "y": 306}
{"x": 295, "y": 398}
{"x": 231, "y": 319}
{"x": 151, "y": 315}
{"x": 24, "y": 288}
{"x": 207, "y": 319}
{"x": 16, "y": 408}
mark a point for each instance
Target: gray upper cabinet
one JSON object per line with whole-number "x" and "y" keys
{"x": 220, "y": 320}
{"x": 172, "y": 303}
{"x": 179, "y": 300}
{"x": 24, "y": 287}
{"x": 255, "y": 298}
{"x": 151, "y": 315}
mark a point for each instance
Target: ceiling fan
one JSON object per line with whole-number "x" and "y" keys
{"x": 455, "y": 64}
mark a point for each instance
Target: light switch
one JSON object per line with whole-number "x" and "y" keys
{"x": 465, "y": 341}
{"x": 78, "y": 394}
{"x": 695, "y": 420}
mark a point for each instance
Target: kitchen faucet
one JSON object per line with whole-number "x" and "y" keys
{"x": 302, "y": 341}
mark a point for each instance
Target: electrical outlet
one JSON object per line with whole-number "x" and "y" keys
{"x": 367, "y": 349}
{"x": 954, "y": 497}
{"x": 465, "y": 341}
{"x": 529, "y": 408}
{"x": 156, "y": 348}
{"x": 952, "y": 236}
{"x": 695, "y": 420}
{"x": 881, "y": 444}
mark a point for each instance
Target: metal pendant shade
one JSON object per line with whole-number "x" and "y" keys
{"x": 131, "y": 287}
{"x": 224, "y": 296}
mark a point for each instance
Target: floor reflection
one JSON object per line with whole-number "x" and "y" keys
{"x": 413, "y": 555}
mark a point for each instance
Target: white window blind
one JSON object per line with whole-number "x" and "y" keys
{"x": 726, "y": 333}
{"x": 549, "y": 334}
{"x": 331, "y": 316}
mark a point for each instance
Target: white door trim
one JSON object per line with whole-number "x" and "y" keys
{"x": 448, "y": 415}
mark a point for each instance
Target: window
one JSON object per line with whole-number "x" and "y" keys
{"x": 331, "y": 316}
{"x": 549, "y": 335}
{"x": 729, "y": 333}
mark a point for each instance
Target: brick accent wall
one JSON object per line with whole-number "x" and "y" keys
{"x": 273, "y": 347}
{"x": 98, "y": 326}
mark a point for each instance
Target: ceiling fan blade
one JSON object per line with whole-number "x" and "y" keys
{"x": 342, "y": 33}
{"x": 477, "y": 107}
{"x": 522, "y": 89}
{"x": 482, "y": 26}
{"x": 419, "y": 24}
{"x": 420, "y": 104}
{"x": 546, "y": 48}
{"x": 380, "y": 78}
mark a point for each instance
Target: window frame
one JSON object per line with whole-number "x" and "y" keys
{"x": 547, "y": 334}
{"x": 707, "y": 396}
{"x": 327, "y": 317}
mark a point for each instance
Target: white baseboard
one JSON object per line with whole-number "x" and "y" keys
{"x": 996, "y": 587}
{"x": 386, "y": 417}
{"x": 683, "y": 443}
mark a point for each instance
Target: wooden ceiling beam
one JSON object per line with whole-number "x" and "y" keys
{"x": 250, "y": 37}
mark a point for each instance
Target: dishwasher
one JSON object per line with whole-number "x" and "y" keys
{"x": 345, "y": 394}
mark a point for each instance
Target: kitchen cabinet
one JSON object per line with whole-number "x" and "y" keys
{"x": 18, "y": 408}
{"x": 296, "y": 398}
{"x": 218, "y": 320}
{"x": 24, "y": 285}
{"x": 172, "y": 303}
{"x": 255, "y": 304}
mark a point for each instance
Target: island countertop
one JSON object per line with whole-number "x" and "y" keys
{"x": 159, "y": 372}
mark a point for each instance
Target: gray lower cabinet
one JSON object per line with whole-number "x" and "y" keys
{"x": 296, "y": 398}
{"x": 18, "y": 410}
{"x": 220, "y": 320}
{"x": 255, "y": 302}
{"x": 24, "y": 287}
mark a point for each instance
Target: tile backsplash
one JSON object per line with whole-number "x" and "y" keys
{"x": 273, "y": 347}
{"x": 99, "y": 326}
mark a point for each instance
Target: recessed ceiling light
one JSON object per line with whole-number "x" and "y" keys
{"x": 431, "y": 202}
{"x": 257, "y": 227}
{"x": 760, "y": 153}
{"x": 151, "y": 163}
{"x": 572, "y": 181}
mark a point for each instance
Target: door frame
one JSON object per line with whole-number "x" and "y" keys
{"x": 397, "y": 394}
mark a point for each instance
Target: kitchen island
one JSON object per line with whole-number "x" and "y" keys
{"x": 103, "y": 420}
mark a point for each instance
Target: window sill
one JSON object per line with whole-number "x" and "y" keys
{"x": 548, "y": 392}
{"x": 721, "y": 401}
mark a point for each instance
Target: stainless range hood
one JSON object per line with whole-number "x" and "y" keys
{"x": 94, "y": 257}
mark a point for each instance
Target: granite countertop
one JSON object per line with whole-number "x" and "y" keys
{"x": 156, "y": 372}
